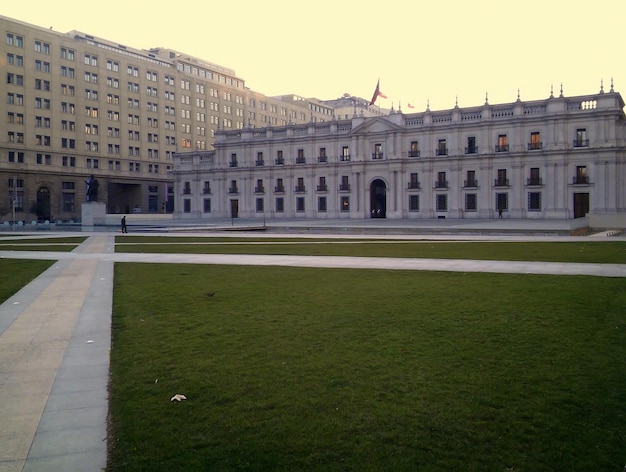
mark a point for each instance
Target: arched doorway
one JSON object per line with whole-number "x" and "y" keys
{"x": 378, "y": 199}
{"x": 43, "y": 204}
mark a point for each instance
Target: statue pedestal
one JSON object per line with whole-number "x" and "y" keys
{"x": 93, "y": 213}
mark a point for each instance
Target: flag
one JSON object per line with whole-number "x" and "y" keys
{"x": 377, "y": 93}
{"x": 410, "y": 106}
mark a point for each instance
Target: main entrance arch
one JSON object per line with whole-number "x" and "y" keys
{"x": 378, "y": 199}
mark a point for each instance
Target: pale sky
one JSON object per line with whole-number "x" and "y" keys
{"x": 421, "y": 50}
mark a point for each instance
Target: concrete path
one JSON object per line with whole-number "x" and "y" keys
{"x": 55, "y": 342}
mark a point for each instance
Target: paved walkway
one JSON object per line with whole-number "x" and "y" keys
{"x": 55, "y": 342}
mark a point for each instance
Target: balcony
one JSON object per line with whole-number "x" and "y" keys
{"x": 581, "y": 180}
{"x": 322, "y": 188}
{"x": 187, "y": 191}
{"x": 344, "y": 158}
{"x": 535, "y": 146}
{"x": 441, "y": 152}
{"x": 441, "y": 184}
{"x": 377, "y": 155}
{"x": 259, "y": 163}
{"x": 501, "y": 183}
{"x": 232, "y": 164}
{"x": 259, "y": 189}
{"x": 300, "y": 160}
{"x": 471, "y": 150}
{"x": 502, "y": 148}
{"x": 534, "y": 181}
{"x": 413, "y": 186}
{"x": 344, "y": 187}
{"x": 322, "y": 159}
{"x": 579, "y": 142}
{"x": 279, "y": 189}
{"x": 414, "y": 153}
{"x": 233, "y": 190}
{"x": 470, "y": 183}
{"x": 299, "y": 189}
{"x": 206, "y": 191}
{"x": 279, "y": 162}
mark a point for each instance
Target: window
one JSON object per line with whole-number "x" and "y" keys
{"x": 471, "y": 179}
{"x": 471, "y": 145}
{"x": 206, "y": 188}
{"x": 344, "y": 204}
{"x": 300, "y": 185}
{"x": 68, "y": 202}
{"x": 413, "y": 181}
{"x": 534, "y": 178}
{"x": 535, "y": 141}
{"x": 69, "y": 161}
{"x": 322, "y": 155}
{"x": 581, "y": 176}
{"x": 299, "y": 204}
{"x": 378, "y": 151}
{"x": 501, "y": 181}
{"x": 300, "y": 159}
{"x": 414, "y": 203}
{"x": 503, "y": 143}
{"x": 186, "y": 205}
{"x": 259, "y": 186}
{"x": 321, "y": 204}
{"x": 502, "y": 201}
{"x": 534, "y": 201}
{"x": 471, "y": 202}
{"x": 259, "y": 159}
{"x": 414, "y": 149}
{"x": 345, "y": 184}
{"x": 206, "y": 205}
{"x": 442, "y": 148}
{"x": 259, "y": 205}
{"x": 441, "y": 180}
{"x": 442, "y": 202}
{"x": 581, "y": 138}
{"x": 233, "y": 159}
{"x": 280, "y": 188}
{"x": 345, "y": 154}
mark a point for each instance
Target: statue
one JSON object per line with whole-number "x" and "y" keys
{"x": 92, "y": 189}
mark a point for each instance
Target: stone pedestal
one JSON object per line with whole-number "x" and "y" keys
{"x": 93, "y": 213}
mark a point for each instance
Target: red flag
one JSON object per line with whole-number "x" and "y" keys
{"x": 411, "y": 106}
{"x": 377, "y": 93}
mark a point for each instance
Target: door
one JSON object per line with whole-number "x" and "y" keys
{"x": 234, "y": 208}
{"x": 581, "y": 204}
{"x": 43, "y": 204}
{"x": 378, "y": 199}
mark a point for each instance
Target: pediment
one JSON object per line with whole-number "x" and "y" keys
{"x": 376, "y": 125}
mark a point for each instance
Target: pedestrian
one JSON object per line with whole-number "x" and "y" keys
{"x": 124, "y": 230}
{"x": 500, "y": 212}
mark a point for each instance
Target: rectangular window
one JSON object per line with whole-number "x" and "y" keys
{"x": 441, "y": 180}
{"x": 280, "y": 205}
{"x": 413, "y": 181}
{"x": 581, "y": 138}
{"x": 345, "y": 184}
{"x": 68, "y": 202}
{"x": 260, "y": 205}
{"x": 471, "y": 145}
{"x": 535, "y": 141}
{"x": 471, "y": 202}
{"x": 502, "y": 181}
{"x": 442, "y": 202}
{"x": 345, "y": 154}
{"x": 321, "y": 204}
{"x": 378, "y": 151}
{"x": 502, "y": 202}
{"x": 534, "y": 178}
{"x": 442, "y": 148}
{"x": 207, "y": 205}
{"x": 186, "y": 205}
{"x": 471, "y": 179}
{"x": 503, "y": 143}
{"x": 534, "y": 201}
{"x": 344, "y": 204}
{"x": 414, "y": 203}
{"x": 414, "y": 149}
{"x": 299, "y": 204}
{"x": 581, "y": 176}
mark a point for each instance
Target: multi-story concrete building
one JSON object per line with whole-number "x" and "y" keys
{"x": 561, "y": 157}
{"x": 76, "y": 105}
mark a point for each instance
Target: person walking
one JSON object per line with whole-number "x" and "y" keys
{"x": 124, "y": 229}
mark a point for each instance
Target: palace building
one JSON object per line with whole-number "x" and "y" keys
{"x": 76, "y": 105}
{"x": 562, "y": 157}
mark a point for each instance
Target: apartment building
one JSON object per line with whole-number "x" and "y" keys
{"x": 562, "y": 157}
{"x": 78, "y": 106}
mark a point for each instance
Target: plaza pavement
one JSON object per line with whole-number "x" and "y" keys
{"x": 55, "y": 338}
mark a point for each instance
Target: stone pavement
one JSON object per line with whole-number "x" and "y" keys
{"x": 55, "y": 340}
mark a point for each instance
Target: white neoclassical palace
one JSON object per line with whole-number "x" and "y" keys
{"x": 561, "y": 157}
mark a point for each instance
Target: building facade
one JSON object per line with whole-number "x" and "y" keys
{"x": 76, "y": 106}
{"x": 561, "y": 157}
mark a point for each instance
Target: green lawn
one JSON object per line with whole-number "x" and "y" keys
{"x": 65, "y": 244}
{"x": 290, "y": 369}
{"x": 583, "y": 252}
{"x": 15, "y": 273}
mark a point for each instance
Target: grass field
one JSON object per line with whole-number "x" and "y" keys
{"x": 66, "y": 244}
{"x": 290, "y": 369}
{"x": 582, "y": 252}
{"x": 15, "y": 273}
